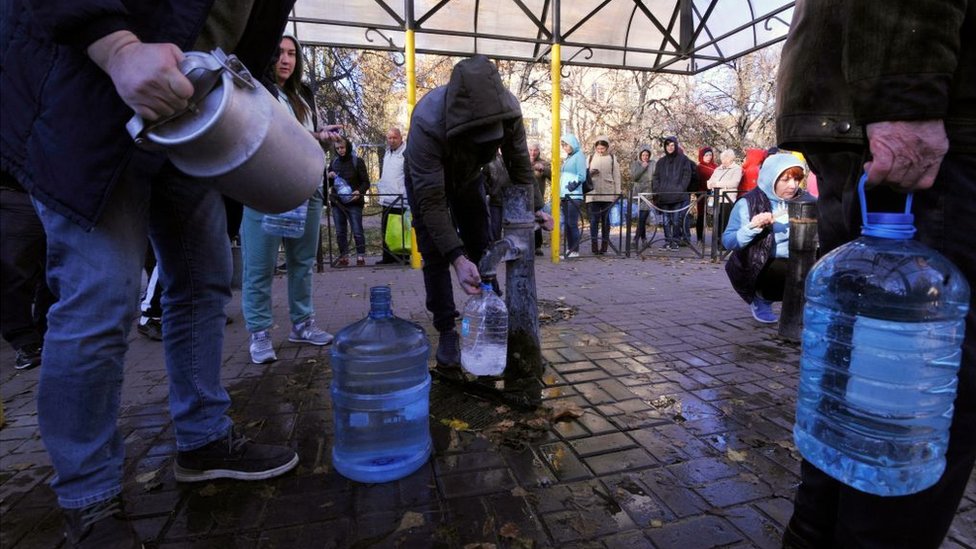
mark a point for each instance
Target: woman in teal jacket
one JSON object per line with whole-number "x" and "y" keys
{"x": 571, "y": 177}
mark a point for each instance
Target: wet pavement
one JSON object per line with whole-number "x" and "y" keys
{"x": 666, "y": 422}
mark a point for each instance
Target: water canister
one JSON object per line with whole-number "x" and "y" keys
{"x": 380, "y": 395}
{"x": 290, "y": 224}
{"x": 484, "y": 334}
{"x": 343, "y": 189}
{"x": 882, "y": 329}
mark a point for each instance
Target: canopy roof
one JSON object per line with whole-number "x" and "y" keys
{"x": 675, "y": 36}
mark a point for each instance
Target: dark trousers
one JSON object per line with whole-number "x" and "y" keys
{"x": 599, "y": 223}
{"x": 641, "y": 232}
{"x": 830, "y": 514}
{"x": 772, "y": 280}
{"x": 674, "y": 218}
{"x": 388, "y": 256}
{"x": 469, "y": 211}
{"x": 25, "y": 295}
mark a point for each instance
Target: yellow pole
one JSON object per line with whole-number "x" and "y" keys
{"x": 411, "y": 57}
{"x": 556, "y": 68}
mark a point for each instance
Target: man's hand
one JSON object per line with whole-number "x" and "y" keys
{"x": 467, "y": 275}
{"x": 906, "y": 155}
{"x": 146, "y": 76}
{"x": 544, "y": 220}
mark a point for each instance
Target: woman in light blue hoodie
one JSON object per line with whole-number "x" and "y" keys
{"x": 571, "y": 177}
{"x": 758, "y": 234}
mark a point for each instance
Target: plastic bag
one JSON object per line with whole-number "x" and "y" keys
{"x": 397, "y": 235}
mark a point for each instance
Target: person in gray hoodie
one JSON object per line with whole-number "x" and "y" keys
{"x": 641, "y": 172}
{"x": 455, "y": 131}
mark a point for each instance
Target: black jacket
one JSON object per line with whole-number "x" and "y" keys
{"x": 63, "y": 125}
{"x": 351, "y": 168}
{"x": 437, "y": 162}
{"x": 672, "y": 177}
{"x": 846, "y": 64}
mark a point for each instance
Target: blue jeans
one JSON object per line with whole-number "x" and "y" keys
{"x": 96, "y": 277}
{"x": 570, "y": 210}
{"x": 259, "y": 252}
{"x": 341, "y": 214}
{"x": 673, "y": 217}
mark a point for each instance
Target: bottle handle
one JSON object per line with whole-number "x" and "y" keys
{"x": 885, "y": 225}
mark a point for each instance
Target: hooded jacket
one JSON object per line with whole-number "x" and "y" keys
{"x": 752, "y": 247}
{"x": 672, "y": 175}
{"x": 750, "y": 169}
{"x": 351, "y": 168}
{"x": 440, "y": 157}
{"x": 63, "y": 133}
{"x": 572, "y": 170}
{"x": 606, "y": 184}
{"x": 705, "y": 169}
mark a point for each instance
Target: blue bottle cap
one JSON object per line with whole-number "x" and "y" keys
{"x": 891, "y": 225}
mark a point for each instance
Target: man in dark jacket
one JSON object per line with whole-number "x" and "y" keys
{"x": 670, "y": 182}
{"x": 895, "y": 85}
{"x": 456, "y": 130}
{"x": 73, "y": 71}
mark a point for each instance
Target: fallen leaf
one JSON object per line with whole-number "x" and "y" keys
{"x": 656, "y": 523}
{"x": 566, "y": 411}
{"x": 539, "y": 424}
{"x": 509, "y": 530}
{"x": 519, "y": 492}
{"x": 411, "y": 520}
{"x": 208, "y": 490}
{"x": 456, "y": 424}
{"x": 734, "y": 455}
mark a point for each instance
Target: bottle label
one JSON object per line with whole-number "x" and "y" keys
{"x": 465, "y": 327}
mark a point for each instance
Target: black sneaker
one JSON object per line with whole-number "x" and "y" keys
{"x": 151, "y": 328}
{"x": 101, "y": 525}
{"x": 28, "y": 356}
{"x": 234, "y": 456}
{"x": 448, "y": 350}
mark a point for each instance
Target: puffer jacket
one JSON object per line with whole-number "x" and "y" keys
{"x": 753, "y": 247}
{"x": 63, "y": 134}
{"x": 913, "y": 61}
{"x": 606, "y": 184}
{"x": 572, "y": 170}
{"x": 436, "y": 161}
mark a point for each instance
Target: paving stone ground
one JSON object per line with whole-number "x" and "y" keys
{"x": 685, "y": 440}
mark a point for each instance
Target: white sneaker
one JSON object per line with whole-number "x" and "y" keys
{"x": 572, "y": 254}
{"x": 262, "y": 348}
{"x": 308, "y": 332}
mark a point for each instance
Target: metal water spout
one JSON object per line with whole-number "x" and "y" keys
{"x": 516, "y": 250}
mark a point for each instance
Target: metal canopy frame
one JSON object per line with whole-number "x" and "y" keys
{"x": 669, "y": 36}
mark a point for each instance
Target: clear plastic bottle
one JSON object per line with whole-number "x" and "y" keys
{"x": 484, "y": 334}
{"x": 380, "y": 395}
{"x": 290, "y": 224}
{"x": 342, "y": 189}
{"x": 883, "y": 325}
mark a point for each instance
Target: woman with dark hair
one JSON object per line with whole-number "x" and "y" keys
{"x": 706, "y": 167}
{"x": 758, "y": 234}
{"x": 260, "y": 249}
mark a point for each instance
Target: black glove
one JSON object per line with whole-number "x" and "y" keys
{"x": 573, "y": 186}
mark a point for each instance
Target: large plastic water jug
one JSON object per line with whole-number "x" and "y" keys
{"x": 380, "y": 395}
{"x": 883, "y": 325}
{"x": 484, "y": 334}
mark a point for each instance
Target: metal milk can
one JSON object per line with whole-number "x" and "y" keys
{"x": 237, "y": 137}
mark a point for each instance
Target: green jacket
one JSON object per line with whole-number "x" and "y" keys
{"x": 847, "y": 64}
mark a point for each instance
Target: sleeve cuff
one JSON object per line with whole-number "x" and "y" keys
{"x": 454, "y": 254}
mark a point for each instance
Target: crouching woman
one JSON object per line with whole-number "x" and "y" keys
{"x": 758, "y": 234}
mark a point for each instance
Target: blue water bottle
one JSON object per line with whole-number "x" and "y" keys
{"x": 380, "y": 395}
{"x": 882, "y": 330}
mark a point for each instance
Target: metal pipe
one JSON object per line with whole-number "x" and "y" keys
{"x": 803, "y": 254}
